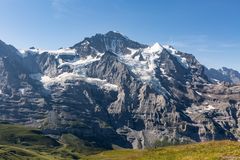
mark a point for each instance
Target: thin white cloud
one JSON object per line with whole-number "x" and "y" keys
{"x": 60, "y": 7}
{"x": 71, "y": 8}
{"x": 202, "y": 43}
{"x": 230, "y": 45}
{"x": 189, "y": 43}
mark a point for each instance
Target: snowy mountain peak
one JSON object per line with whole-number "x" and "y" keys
{"x": 156, "y": 47}
{"x": 111, "y": 41}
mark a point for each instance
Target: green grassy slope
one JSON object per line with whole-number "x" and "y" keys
{"x": 18, "y": 142}
{"x": 21, "y": 143}
{"x": 19, "y": 135}
{"x": 221, "y": 150}
{"x": 16, "y": 153}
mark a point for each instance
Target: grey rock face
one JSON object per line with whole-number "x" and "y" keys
{"x": 111, "y": 90}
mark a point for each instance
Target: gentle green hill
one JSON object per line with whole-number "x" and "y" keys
{"x": 16, "y": 153}
{"x": 18, "y": 142}
{"x": 19, "y": 135}
{"x": 221, "y": 150}
{"x": 21, "y": 143}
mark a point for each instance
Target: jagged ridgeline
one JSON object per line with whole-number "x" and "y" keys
{"x": 114, "y": 92}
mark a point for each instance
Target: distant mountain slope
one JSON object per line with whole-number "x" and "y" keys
{"x": 223, "y": 75}
{"x": 115, "y": 92}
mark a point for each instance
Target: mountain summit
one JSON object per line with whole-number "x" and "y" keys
{"x": 113, "y": 91}
{"x": 111, "y": 41}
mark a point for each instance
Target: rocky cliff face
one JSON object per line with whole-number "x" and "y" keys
{"x": 113, "y": 91}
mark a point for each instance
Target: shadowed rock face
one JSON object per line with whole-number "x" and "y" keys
{"x": 111, "y": 90}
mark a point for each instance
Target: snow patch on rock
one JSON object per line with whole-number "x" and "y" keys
{"x": 68, "y": 78}
{"x": 154, "y": 48}
{"x": 22, "y": 91}
{"x": 62, "y": 51}
{"x": 180, "y": 58}
{"x": 143, "y": 63}
{"x": 200, "y": 109}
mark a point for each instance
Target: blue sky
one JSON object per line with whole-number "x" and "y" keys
{"x": 209, "y": 29}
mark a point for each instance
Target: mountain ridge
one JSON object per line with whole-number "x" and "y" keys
{"x": 110, "y": 33}
{"x": 111, "y": 90}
